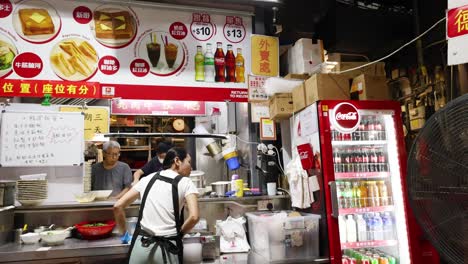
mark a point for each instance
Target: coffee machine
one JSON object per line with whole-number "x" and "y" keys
{"x": 268, "y": 170}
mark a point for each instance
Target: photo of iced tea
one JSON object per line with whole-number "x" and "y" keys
{"x": 154, "y": 50}
{"x": 170, "y": 51}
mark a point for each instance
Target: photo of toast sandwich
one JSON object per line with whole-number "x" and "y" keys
{"x": 114, "y": 26}
{"x": 36, "y": 21}
{"x": 74, "y": 59}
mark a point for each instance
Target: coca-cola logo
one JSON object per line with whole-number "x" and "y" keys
{"x": 345, "y": 117}
{"x": 304, "y": 155}
{"x": 219, "y": 61}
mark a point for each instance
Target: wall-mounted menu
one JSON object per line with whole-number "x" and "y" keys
{"x": 165, "y": 53}
{"x": 41, "y": 139}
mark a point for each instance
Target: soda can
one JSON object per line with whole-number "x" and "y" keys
{"x": 391, "y": 260}
{"x": 352, "y": 261}
{"x": 365, "y": 261}
{"x": 383, "y": 260}
{"x": 345, "y": 260}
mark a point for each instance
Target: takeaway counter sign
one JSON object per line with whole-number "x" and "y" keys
{"x": 457, "y": 31}
{"x": 157, "y": 107}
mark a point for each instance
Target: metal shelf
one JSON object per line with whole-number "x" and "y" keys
{"x": 146, "y": 135}
{"x": 367, "y": 244}
{"x": 356, "y": 142}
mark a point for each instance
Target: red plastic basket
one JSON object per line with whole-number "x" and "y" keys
{"x": 95, "y": 232}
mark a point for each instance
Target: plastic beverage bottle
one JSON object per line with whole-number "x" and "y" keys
{"x": 357, "y": 194}
{"x": 342, "y": 228}
{"x": 340, "y": 193}
{"x": 234, "y": 177}
{"x": 199, "y": 65}
{"x": 363, "y": 192}
{"x": 230, "y": 61}
{"x": 387, "y": 222}
{"x": 209, "y": 64}
{"x": 348, "y": 194}
{"x": 370, "y": 226}
{"x": 351, "y": 233}
{"x": 219, "y": 63}
{"x": 378, "y": 227}
{"x": 240, "y": 67}
{"x": 383, "y": 193}
{"x": 361, "y": 228}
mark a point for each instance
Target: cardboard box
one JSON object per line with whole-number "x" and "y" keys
{"x": 299, "y": 98}
{"x": 326, "y": 87}
{"x": 369, "y": 87}
{"x": 305, "y": 56}
{"x": 281, "y": 106}
{"x": 297, "y": 76}
{"x": 377, "y": 69}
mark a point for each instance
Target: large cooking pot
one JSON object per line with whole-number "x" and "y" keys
{"x": 221, "y": 187}
{"x": 131, "y": 142}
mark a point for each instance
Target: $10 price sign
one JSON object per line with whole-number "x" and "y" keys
{"x": 234, "y": 30}
{"x": 201, "y": 28}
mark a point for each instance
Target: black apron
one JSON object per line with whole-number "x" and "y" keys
{"x": 159, "y": 241}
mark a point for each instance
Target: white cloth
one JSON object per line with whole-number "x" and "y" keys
{"x": 158, "y": 215}
{"x": 232, "y": 235}
{"x": 298, "y": 184}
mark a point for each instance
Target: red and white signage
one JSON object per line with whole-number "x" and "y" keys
{"x": 160, "y": 108}
{"x": 141, "y": 52}
{"x": 345, "y": 118}
{"x": 306, "y": 154}
{"x": 457, "y": 31}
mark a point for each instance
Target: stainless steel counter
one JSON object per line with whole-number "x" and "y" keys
{"x": 107, "y": 248}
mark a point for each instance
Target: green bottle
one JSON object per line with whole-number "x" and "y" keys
{"x": 199, "y": 65}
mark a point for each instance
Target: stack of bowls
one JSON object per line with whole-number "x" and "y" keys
{"x": 31, "y": 192}
{"x": 87, "y": 177}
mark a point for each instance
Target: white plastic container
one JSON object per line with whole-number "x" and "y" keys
{"x": 351, "y": 233}
{"x": 282, "y": 236}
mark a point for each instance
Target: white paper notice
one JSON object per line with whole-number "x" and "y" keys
{"x": 308, "y": 119}
{"x": 259, "y": 110}
{"x": 313, "y": 184}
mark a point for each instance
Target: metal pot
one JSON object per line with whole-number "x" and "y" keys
{"x": 136, "y": 142}
{"x": 198, "y": 178}
{"x": 7, "y": 193}
{"x": 221, "y": 187}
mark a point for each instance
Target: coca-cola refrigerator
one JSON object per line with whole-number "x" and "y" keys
{"x": 356, "y": 178}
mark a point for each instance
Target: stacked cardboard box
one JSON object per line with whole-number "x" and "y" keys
{"x": 370, "y": 87}
{"x": 281, "y": 106}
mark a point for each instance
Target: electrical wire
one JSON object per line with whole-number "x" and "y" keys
{"x": 248, "y": 142}
{"x": 397, "y": 50}
{"x": 279, "y": 161}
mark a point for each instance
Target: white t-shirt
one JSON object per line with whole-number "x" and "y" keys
{"x": 158, "y": 214}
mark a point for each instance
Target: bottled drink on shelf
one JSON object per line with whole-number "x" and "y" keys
{"x": 209, "y": 64}
{"x": 361, "y": 228}
{"x": 337, "y": 160}
{"x": 357, "y": 195}
{"x": 364, "y": 194}
{"x": 370, "y": 225}
{"x": 348, "y": 194}
{"x": 351, "y": 232}
{"x": 377, "y": 227}
{"x": 383, "y": 193}
{"x": 373, "y": 194}
{"x": 240, "y": 67}
{"x": 387, "y": 228}
{"x": 230, "y": 61}
{"x": 199, "y": 65}
{"x": 341, "y": 195}
{"x": 369, "y": 256}
{"x": 342, "y": 228}
{"x": 220, "y": 63}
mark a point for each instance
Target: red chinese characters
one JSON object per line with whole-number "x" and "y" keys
{"x": 33, "y": 88}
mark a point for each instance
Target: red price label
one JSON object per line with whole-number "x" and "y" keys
{"x": 109, "y": 65}
{"x": 139, "y": 67}
{"x": 5, "y": 8}
{"x": 82, "y": 15}
{"x": 234, "y": 30}
{"x": 27, "y": 65}
{"x": 178, "y": 30}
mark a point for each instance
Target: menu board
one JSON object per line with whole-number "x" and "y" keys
{"x": 133, "y": 51}
{"x": 41, "y": 139}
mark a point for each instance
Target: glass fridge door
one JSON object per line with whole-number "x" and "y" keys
{"x": 372, "y": 218}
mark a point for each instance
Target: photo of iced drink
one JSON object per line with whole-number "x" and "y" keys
{"x": 154, "y": 50}
{"x": 170, "y": 51}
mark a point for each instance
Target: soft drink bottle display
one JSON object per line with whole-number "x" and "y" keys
{"x": 230, "y": 61}
{"x": 219, "y": 62}
{"x": 209, "y": 64}
{"x": 240, "y": 67}
{"x": 377, "y": 227}
{"x": 199, "y": 65}
{"x": 370, "y": 128}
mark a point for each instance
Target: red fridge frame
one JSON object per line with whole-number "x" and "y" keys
{"x": 328, "y": 171}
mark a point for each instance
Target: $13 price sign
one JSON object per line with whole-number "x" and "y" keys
{"x": 201, "y": 28}
{"x": 234, "y": 30}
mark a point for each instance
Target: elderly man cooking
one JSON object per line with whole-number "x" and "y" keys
{"x": 111, "y": 174}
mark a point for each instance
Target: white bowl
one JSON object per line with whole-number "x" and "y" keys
{"x": 85, "y": 197}
{"x": 102, "y": 194}
{"x": 54, "y": 237}
{"x": 30, "y": 238}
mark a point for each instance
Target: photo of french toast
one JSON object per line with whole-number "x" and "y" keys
{"x": 74, "y": 59}
{"x": 114, "y": 27}
{"x": 36, "y": 21}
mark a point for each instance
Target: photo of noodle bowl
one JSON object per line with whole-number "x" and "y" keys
{"x": 74, "y": 59}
